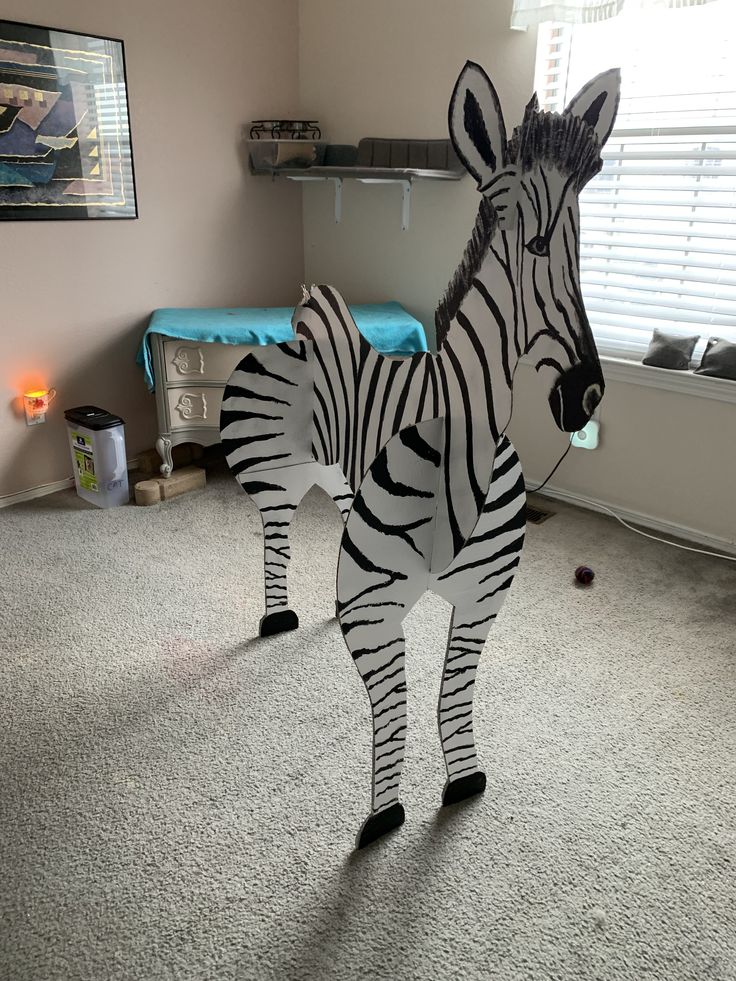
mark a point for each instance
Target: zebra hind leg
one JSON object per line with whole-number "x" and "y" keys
{"x": 277, "y": 495}
{"x": 278, "y": 618}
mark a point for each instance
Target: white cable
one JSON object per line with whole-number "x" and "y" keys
{"x": 665, "y": 541}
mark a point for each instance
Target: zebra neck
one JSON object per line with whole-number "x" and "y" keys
{"x": 483, "y": 343}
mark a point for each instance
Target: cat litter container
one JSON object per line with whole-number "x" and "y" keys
{"x": 97, "y": 443}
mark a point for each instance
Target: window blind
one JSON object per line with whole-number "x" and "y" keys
{"x": 658, "y": 229}
{"x": 658, "y": 238}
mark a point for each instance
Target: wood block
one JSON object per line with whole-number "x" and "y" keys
{"x": 147, "y": 492}
{"x": 163, "y": 488}
{"x": 182, "y": 481}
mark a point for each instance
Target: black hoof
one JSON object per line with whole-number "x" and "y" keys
{"x": 278, "y": 623}
{"x": 380, "y": 824}
{"x": 464, "y": 787}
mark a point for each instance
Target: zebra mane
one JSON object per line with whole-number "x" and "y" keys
{"x": 475, "y": 251}
{"x": 563, "y": 140}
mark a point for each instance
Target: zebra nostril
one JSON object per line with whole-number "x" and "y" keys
{"x": 591, "y": 398}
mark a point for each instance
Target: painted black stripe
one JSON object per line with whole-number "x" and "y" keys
{"x": 509, "y": 549}
{"x": 380, "y": 474}
{"x": 498, "y": 589}
{"x": 381, "y": 435}
{"x": 345, "y": 430}
{"x": 252, "y": 366}
{"x": 485, "y": 370}
{"x": 335, "y": 434}
{"x": 256, "y": 461}
{"x": 413, "y": 441}
{"x": 457, "y": 536}
{"x": 231, "y": 445}
{"x": 502, "y": 327}
{"x": 368, "y": 409}
{"x": 414, "y": 363}
{"x": 259, "y": 486}
{"x": 396, "y": 531}
{"x": 300, "y": 353}
{"x": 351, "y": 549}
{"x": 478, "y": 493}
{"x": 517, "y": 521}
{"x": 237, "y": 391}
{"x": 229, "y": 416}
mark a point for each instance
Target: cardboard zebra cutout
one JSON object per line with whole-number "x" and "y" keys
{"x": 413, "y": 450}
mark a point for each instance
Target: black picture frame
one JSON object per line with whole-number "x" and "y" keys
{"x": 65, "y": 143}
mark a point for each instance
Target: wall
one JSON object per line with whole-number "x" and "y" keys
{"x": 77, "y": 294}
{"x": 387, "y": 68}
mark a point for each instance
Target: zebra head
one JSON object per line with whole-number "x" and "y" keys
{"x": 532, "y": 182}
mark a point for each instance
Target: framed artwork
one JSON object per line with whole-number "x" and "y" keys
{"x": 65, "y": 149}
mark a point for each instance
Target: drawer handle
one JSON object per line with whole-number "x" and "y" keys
{"x": 192, "y": 406}
{"x": 185, "y": 360}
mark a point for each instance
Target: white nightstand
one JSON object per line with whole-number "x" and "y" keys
{"x": 190, "y": 378}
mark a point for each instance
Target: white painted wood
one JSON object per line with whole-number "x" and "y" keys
{"x": 195, "y": 407}
{"x": 191, "y": 362}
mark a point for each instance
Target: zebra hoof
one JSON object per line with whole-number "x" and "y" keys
{"x": 380, "y": 824}
{"x": 464, "y": 787}
{"x": 278, "y": 623}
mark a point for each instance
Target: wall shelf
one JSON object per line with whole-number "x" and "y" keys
{"x": 379, "y": 161}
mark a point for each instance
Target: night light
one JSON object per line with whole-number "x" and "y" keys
{"x": 36, "y": 404}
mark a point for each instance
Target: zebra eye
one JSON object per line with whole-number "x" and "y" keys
{"x": 538, "y": 246}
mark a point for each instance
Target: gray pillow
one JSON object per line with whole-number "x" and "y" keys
{"x": 670, "y": 350}
{"x": 719, "y": 359}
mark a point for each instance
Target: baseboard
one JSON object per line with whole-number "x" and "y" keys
{"x": 667, "y": 528}
{"x": 42, "y": 490}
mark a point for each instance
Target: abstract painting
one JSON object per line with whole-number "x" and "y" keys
{"x": 65, "y": 147}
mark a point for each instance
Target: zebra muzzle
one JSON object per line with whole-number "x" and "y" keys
{"x": 576, "y": 394}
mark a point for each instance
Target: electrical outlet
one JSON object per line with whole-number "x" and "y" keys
{"x": 587, "y": 437}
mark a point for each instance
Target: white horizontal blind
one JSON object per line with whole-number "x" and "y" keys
{"x": 658, "y": 238}
{"x": 658, "y": 229}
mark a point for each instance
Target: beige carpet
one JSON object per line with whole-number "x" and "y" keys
{"x": 178, "y": 800}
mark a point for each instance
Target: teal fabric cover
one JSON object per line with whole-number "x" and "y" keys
{"x": 386, "y": 326}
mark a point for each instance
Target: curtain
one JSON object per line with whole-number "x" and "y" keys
{"x": 529, "y": 13}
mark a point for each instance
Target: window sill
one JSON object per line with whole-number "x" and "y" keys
{"x": 683, "y": 382}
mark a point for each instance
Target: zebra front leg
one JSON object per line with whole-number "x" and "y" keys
{"x": 383, "y": 569}
{"x": 477, "y": 583}
{"x": 379, "y": 654}
{"x": 467, "y": 638}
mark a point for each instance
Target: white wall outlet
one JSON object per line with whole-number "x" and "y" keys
{"x": 587, "y": 438}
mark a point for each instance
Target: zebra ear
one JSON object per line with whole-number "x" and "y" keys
{"x": 597, "y": 103}
{"x": 476, "y": 124}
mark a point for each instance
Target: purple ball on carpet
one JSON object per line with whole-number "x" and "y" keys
{"x": 584, "y": 575}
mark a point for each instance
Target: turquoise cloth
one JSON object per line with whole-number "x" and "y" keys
{"x": 386, "y": 326}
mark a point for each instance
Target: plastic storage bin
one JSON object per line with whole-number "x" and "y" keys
{"x": 97, "y": 443}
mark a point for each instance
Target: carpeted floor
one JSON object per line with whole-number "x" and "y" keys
{"x": 178, "y": 800}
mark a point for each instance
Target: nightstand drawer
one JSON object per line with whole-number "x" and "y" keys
{"x": 188, "y": 360}
{"x": 195, "y": 407}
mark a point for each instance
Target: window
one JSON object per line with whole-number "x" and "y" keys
{"x": 658, "y": 224}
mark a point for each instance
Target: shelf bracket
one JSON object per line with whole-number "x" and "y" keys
{"x": 405, "y": 204}
{"x": 337, "y": 181}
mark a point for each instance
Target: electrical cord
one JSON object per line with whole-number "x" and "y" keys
{"x": 654, "y": 538}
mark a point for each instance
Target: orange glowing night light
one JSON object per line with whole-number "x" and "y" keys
{"x": 36, "y": 405}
